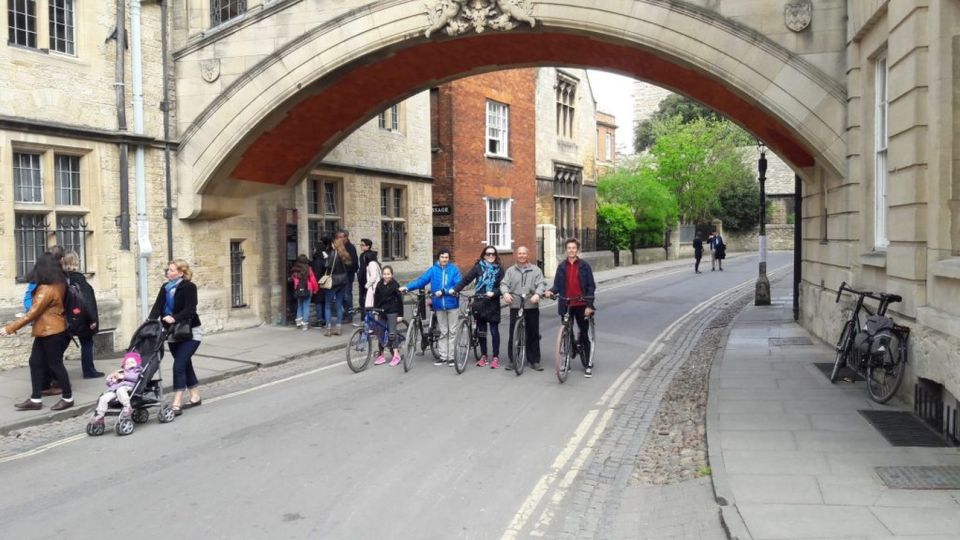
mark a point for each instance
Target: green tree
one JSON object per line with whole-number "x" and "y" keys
{"x": 615, "y": 224}
{"x": 694, "y": 161}
{"x": 739, "y": 204}
{"x": 653, "y": 206}
{"x": 644, "y": 133}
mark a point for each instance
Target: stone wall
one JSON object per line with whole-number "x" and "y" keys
{"x": 779, "y": 238}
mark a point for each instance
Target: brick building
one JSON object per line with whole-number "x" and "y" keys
{"x": 483, "y": 138}
{"x": 606, "y": 143}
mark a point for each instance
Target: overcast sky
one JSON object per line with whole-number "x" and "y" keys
{"x": 613, "y": 95}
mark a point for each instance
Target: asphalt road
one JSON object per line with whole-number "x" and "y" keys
{"x": 332, "y": 454}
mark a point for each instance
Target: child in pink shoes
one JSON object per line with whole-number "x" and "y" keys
{"x": 387, "y": 296}
{"x": 119, "y": 385}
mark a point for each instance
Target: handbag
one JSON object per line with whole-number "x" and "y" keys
{"x": 325, "y": 281}
{"x": 181, "y": 331}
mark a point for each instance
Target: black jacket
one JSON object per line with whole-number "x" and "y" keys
{"x": 184, "y": 304}
{"x": 354, "y": 262}
{"x": 486, "y": 308}
{"x": 88, "y": 295}
{"x": 387, "y": 297}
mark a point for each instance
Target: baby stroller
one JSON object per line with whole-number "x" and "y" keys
{"x": 147, "y": 393}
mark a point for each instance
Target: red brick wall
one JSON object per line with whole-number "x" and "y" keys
{"x": 463, "y": 175}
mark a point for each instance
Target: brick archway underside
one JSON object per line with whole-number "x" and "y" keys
{"x": 325, "y": 113}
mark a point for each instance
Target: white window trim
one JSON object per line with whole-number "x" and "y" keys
{"x": 881, "y": 141}
{"x": 507, "y": 244}
{"x": 504, "y": 138}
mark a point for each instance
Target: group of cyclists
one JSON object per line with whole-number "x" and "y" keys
{"x": 521, "y": 286}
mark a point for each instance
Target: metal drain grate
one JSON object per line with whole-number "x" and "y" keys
{"x": 901, "y": 428}
{"x": 846, "y": 374}
{"x": 920, "y": 477}
{"x": 789, "y": 341}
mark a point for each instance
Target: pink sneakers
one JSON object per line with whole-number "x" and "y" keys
{"x": 495, "y": 364}
{"x": 380, "y": 360}
{"x": 396, "y": 361}
{"x": 482, "y": 362}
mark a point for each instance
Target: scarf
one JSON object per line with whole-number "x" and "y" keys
{"x": 487, "y": 277}
{"x": 169, "y": 289}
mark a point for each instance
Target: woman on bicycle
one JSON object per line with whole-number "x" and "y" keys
{"x": 441, "y": 277}
{"x": 488, "y": 273}
{"x": 387, "y": 296}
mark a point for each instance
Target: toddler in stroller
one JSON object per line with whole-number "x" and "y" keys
{"x": 133, "y": 389}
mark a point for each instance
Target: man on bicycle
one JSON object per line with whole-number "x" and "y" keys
{"x": 574, "y": 279}
{"x": 524, "y": 278}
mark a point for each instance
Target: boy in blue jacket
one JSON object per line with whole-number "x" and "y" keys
{"x": 442, "y": 278}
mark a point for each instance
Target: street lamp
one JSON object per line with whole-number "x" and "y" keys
{"x": 762, "y": 297}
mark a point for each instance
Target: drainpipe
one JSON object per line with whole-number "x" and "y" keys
{"x": 143, "y": 226}
{"x": 124, "y": 219}
{"x": 165, "y": 107}
{"x": 797, "y": 243}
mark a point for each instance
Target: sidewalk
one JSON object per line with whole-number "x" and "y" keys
{"x": 221, "y": 355}
{"x": 790, "y": 454}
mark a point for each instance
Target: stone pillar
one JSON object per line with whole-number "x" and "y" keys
{"x": 674, "y": 252}
{"x": 547, "y": 234}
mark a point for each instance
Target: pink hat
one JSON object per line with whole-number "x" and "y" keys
{"x": 132, "y": 354}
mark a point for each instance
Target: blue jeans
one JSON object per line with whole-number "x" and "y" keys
{"x": 183, "y": 374}
{"x": 334, "y": 298}
{"x": 348, "y": 294}
{"x": 303, "y": 309}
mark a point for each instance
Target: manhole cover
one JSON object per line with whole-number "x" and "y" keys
{"x": 846, "y": 374}
{"x": 920, "y": 477}
{"x": 902, "y": 428}
{"x": 787, "y": 341}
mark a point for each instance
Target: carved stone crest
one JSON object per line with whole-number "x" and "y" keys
{"x": 798, "y": 14}
{"x": 210, "y": 69}
{"x": 457, "y": 17}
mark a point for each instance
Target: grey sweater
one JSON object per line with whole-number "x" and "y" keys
{"x": 528, "y": 280}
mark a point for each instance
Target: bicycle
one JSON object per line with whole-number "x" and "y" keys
{"x": 568, "y": 346}
{"x": 415, "y": 333}
{"x": 359, "y": 349}
{"x": 884, "y": 369}
{"x": 518, "y": 349}
{"x": 468, "y": 335}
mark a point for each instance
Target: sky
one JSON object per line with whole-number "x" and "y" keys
{"x": 613, "y": 95}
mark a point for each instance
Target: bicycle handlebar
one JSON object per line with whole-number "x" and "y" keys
{"x": 880, "y": 297}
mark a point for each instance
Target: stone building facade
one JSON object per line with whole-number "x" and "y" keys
{"x": 606, "y": 143}
{"x": 483, "y": 164}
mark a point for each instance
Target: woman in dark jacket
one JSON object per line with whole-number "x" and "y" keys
{"x": 177, "y": 302}
{"x": 50, "y": 336}
{"x": 71, "y": 267}
{"x": 488, "y": 273}
{"x": 338, "y": 262}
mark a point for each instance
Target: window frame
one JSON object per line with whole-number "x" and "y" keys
{"x": 881, "y": 238}
{"x": 18, "y": 188}
{"x": 13, "y": 30}
{"x": 505, "y": 241}
{"x": 70, "y": 26}
{"x": 566, "y": 100}
{"x": 217, "y": 8}
{"x": 393, "y": 222}
{"x": 498, "y": 113}
{"x": 389, "y": 119}
{"x": 320, "y": 221}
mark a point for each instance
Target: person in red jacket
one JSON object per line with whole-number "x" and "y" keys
{"x": 574, "y": 280}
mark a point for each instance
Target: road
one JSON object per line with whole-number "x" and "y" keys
{"x": 381, "y": 454}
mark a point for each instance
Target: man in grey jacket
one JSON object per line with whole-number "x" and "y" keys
{"x": 525, "y": 278}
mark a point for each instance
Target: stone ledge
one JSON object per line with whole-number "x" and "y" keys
{"x": 947, "y": 268}
{"x": 877, "y": 259}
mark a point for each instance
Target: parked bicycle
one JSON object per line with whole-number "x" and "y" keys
{"x": 468, "y": 335}
{"x": 419, "y": 337}
{"x": 518, "y": 349}
{"x": 876, "y": 349}
{"x": 365, "y": 338}
{"x": 568, "y": 346}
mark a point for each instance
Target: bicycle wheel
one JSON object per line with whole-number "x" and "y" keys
{"x": 563, "y": 354}
{"x": 843, "y": 349}
{"x": 885, "y": 370}
{"x": 358, "y": 350}
{"x": 462, "y": 347}
{"x": 519, "y": 346}
{"x": 413, "y": 338}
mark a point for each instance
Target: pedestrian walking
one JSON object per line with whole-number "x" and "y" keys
{"x": 176, "y": 304}
{"x": 487, "y": 272}
{"x": 338, "y": 263}
{"x": 524, "y": 278}
{"x": 319, "y": 263}
{"x": 50, "y": 338}
{"x": 697, "y": 252}
{"x": 441, "y": 277}
{"x": 344, "y": 234}
{"x": 304, "y": 287}
{"x": 574, "y": 280}
{"x": 387, "y": 296}
{"x": 718, "y": 251}
{"x": 71, "y": 267}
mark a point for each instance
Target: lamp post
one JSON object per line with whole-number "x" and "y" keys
{"x": 762, "y": 297}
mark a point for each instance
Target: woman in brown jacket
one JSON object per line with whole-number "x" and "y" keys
{"x": 50, "y": 336}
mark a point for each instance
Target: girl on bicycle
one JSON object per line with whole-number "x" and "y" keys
{"x": 488, "y": 273}
{"x": 387, "y": 296}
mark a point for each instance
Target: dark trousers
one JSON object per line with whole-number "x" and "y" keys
{"x": 494, "y": 335}
{"x": 47, "y": 355}
{"x": 183, "y": 375}
{"x": 348, "y": 297}
{"x": 698, "y": 255}
{"x": 86, "y": 356}
{"x": 532, "y": 318}
{"x": 579, "y": 314}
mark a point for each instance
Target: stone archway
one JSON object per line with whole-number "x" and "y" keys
{"x": 277, "y": 119}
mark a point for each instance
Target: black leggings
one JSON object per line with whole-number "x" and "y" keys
{"x": 494, "y": 335}
{"x": 47, "y": 356}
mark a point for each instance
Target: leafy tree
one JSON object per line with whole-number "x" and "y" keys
{"x": 616, "y": 225}
{"x": 644, "y": 133}
{"x": 739, "y": 204}
{"x": 651, "y": 203}
{"x": 694, "y": 161}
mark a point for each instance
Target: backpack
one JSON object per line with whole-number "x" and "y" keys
{"x": 78, "y": 312}
{"x": 302, "y": 290}
{"x": 875, "y": 335}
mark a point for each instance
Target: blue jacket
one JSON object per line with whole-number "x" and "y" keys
{"x": 28, "y": 296}
{"x": 440, "y": 279}
{"x": 587, "y": 284}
